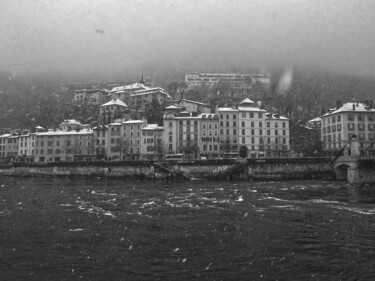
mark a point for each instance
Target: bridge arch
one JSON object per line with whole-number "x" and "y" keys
{"x": 341, "y": 171}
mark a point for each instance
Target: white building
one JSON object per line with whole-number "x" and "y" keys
{"x": 340, "y": 124}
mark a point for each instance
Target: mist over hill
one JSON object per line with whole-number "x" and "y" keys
{"x": 31, "y": 100}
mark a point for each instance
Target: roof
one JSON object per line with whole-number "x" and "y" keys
{"x": 5, "y": 135}
{"x": 257, "y": 109}
{"x": 70, "y": 122}
{"x": 129, "y": 87}
{"x": 247, "y": 100}
{"x": 227, "y": 109}
{"x": 153, "y": 127}
{"x": 276, "y": 116}
{"x": 173, "y": 107}
{"x": 60, "y": 133}
{"x": 196, "y": 102}
{"x": 350, "y": 107}
{"x": 115, "y": 102}
{"x": 133, "y": 121}
{"x": 315, "y": 120}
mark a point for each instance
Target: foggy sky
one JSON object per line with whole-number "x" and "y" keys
{"x": 127, "y": 37}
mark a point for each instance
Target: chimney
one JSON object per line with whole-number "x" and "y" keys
{"x": 323, "y": 110}
{"x": 353, "y": 106}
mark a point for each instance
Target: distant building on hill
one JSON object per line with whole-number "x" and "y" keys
{"x": 236, "y": 80}
{"x": 93, "y": 96}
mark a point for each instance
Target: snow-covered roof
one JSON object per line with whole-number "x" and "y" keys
{"x": 247, "y": 101}
{"x": 129, "y": 87}
{"x": 61, "y": 132}
{"x": 133, "y": 121}
{"x": 225, "y": 109}
{"x": 115, "y": 102}
{"x": 173, "y": 107}
{"x": 350, "y": 107}
{"x": 153, "y": 127}
{"x": 196, "y": 102}
{"x": 257, "y": 109}
{"x": 276, "y": 116}
{"x": 315, "y": 120}
{"x": 69, "y": 122}
{"x": 5, "y": 135}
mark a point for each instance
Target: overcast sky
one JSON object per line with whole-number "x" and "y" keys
{"x": 133, "y": 36}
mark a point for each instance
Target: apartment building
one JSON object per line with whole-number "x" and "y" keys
{"x": 236, "y": 80}
{"x": 59, "y": 145}
{"x": 114, "y": 109}
{"x": 350, "y": 120}
{"x": 152, "y": 147}
{"x": 92, "y": 96}
{"x": 249, "y": 131}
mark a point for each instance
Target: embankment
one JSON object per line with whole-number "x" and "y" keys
{"x": 250, "y": 169}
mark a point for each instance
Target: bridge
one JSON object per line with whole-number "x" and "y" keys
{"x": 350, "y": 165}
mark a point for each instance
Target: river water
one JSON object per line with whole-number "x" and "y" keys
{"x": 61, "y": 229}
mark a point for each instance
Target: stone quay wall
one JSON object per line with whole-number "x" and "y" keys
{"x": 250, "y": 169}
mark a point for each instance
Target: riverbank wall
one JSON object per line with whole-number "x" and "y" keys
{"x": 249, "y": 169}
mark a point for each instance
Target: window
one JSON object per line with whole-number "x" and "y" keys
{"x": 260, "y": 124}
{"x": 361, "y": 117}
{"x": 243, "y": 114}
{"x": 243, "y": 139}
{"x": 252, "y": 123}
{"x": 260, "y": 115}
{"x": 338, "y": 118}
{"x": 243, "y": 131}
{"x": 350, "y": 117}
{"x": 234, "y": 116}
{"x": 234, "y": 132}
{"x": 350, "y": 126}
{"x": 234, "y": 124}
{"x": 243, "y": 123}
{"x": 371, "y": 117}
{"x": 268, "y": 124}
{"x": 251, "y": 115}
{"x": 371, "y": 127}
{"x": 361, "y": 127}
{"x": 268, "y": 132}
{"x": 339, "y": 127}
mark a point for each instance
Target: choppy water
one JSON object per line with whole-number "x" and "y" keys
{"x": 59, "y": 229}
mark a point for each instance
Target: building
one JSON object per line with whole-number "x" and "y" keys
{"x": 152, "y": 147}
{"x": 249, "y": 131}
{"x": 191, "y": 134}
{"x": 236, "y": 80}
{"x": 4, "y": 145}
{"x": 26, "y": 147}
{"x": 194, "y": 106}
{"x": 59, "y": 145}
{"x": 209, "y": 142}
{"x": 120, "y": 140}
{"x": 350, "y": 120}
{"x": 92, "y": 96}
{"x": 137, "y": 95}
{"x": 114, "y": 109}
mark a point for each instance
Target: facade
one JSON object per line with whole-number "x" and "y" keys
{"x": 58, "y": 145}
{"x": 114, "y": 109}
{"x": 249, "y": 131}
{"x": 194, "y": 106}
{"x": 93, "y": 96}
{"x": 26, "y": 147}
{"x": 236, "y": 80}
{"x": 208, "y": 143}
{"x": 4, "y": 145}
{"x": 191, "y": 134}
{"x": 137, "y": 95}
{"x": 339, "y": 125}
{"x": 152, "y": 147}
{"x": 120, "y": 140}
